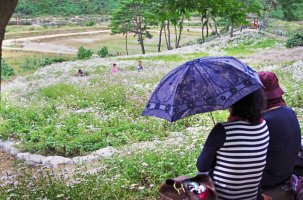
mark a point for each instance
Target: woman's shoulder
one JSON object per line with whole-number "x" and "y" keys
{"x": 241, "y": 124}
{"x": 285, "y": 110}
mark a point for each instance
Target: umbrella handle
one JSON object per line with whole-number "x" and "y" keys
{"x": 212, "y": 117}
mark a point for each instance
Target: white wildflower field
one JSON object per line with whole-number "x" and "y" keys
{"x": 52, "y": 112}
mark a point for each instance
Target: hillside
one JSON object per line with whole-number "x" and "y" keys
{"x": 53, "y": 112}
{"x": 64, "y": 8}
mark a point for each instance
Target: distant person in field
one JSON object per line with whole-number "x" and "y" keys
{"x": 114, "y": 68}
{"x": 80, "y": 73}
{"x": 140, "y": 66}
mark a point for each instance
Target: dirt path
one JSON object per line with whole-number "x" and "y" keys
{"x": 33, "y": 44}
{"x": 6, "y": 161}
{"x": 40, "y": 44}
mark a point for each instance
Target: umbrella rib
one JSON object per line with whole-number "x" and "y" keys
{"x": 178, "y": 81}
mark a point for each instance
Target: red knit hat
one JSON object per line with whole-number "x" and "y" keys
{"x": 271, "y": 84}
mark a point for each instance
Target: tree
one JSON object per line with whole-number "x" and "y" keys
{"x": 156, "y": 17}
{"x": 170, "y": 13}
{"x": 288, "y": 7}
{"x": 135, "y": 12}
{"x": 6, "y": 11}
{"x": 206, "y": 8}
{"x": 121, "y": 22}
{"x": 179, "y": 10}
{"x": 267, "y": 7}
{"x": 237, "y": 10}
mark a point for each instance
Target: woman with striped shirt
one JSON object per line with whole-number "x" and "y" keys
{"x": 234, "y": 153}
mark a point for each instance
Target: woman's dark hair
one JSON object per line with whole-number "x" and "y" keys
{"x": 250, "y": 108}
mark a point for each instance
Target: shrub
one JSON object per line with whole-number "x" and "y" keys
{"x": 6, "y": 70}
{"x": 295, "y": 40}
{"x": 58, "y": 60}
{"x": 103, "y": 52}
{"x": 199, "y": 40}
{"x": 84, "y": 53}
{"x": 35, "y": 63}
{"x": 222, "y": 22}
{"x": 90, "y": 23}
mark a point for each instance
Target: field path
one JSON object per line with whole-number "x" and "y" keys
{"x": 33, "y": 44}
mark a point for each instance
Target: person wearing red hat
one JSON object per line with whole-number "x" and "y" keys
{"x": 284, "y": 132}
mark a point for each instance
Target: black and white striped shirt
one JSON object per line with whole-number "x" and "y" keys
{"x": 241, "y": 160}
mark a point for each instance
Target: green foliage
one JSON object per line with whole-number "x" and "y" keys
{"x": 84, "y": 53}
{"x": 103, "y": 52}
{"x": 170, "y": 58}
{"x": 292, "y": 86}
{"x": 35, "y": 63}
{"x": 249, "y": 46}
{"x": 58, "y": 91}
{"x": 135, "y": 176}
{"x": 65, "y": 8}
{"x": 287, "y": 28}
{"x": 295, "y": 40}
{"x": 292, "y": 9}
{"x": 90, "y": 23}
{"x": 277, "y": 13}
{"x": 222, "y": 22}
{"x": 73, "y": 119}
{"x": 47, "y": 129}
{"x": 7, "y": 71}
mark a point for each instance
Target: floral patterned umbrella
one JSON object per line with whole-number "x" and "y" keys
{"x": 201, "y": 85}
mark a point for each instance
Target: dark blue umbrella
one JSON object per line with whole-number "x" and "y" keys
{"x": 201, "y": 85}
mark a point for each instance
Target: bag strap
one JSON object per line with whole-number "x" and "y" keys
{"x": 180, "y": 189}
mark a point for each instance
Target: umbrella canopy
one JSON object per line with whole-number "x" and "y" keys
{"x": 201, "y": 85}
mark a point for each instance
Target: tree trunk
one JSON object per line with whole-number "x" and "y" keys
{"x": 180, "y": 32}
{"x": 7, "y": 9}
{"x": 126, "y": 47}
{"x": 227, "y": 27}
{"x": 1, "y": 39}
{"x": 160, "y": 37}
{"x": 167, "y": 46}
{"x": 176, "y": 36}
{"x": 216, "y": 28}
{"x": 168, "y": 35}
{"x": 266, "y": 16}
{"x": 141, "y": 43}
{"x": 232, "y": 31}
{"x": 202, "y": 19}
{"x": 140, "y": 32}
{"x": 207, "y": 21}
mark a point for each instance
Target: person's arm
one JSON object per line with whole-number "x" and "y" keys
{"x": 214, "y": 141}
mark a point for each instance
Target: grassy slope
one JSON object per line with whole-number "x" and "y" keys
{"x": 76, "y": 107}
{"x": 22, "y": 62}
{"x": 64, "y": 115}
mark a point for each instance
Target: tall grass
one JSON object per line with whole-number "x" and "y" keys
{"x": 250, "y": 47}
